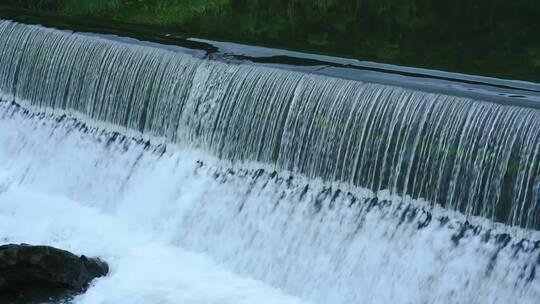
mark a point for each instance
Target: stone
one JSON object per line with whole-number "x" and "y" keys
{"x": 26, "y": 269}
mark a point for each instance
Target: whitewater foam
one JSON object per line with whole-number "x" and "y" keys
{"x": 100, "y": 193}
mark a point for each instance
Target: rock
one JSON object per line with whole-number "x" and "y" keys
{"x": 26, "y": 268}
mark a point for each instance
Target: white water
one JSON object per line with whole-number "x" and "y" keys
{"x": 44, "y": 200}
{"x": 145, "y": 267}
{"x": 147, "y": 214}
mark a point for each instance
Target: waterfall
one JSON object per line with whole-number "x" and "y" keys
{"x": 333, "y": 190}
{"x": 468, "y": 155}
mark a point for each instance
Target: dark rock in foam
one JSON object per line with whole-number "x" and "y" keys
{"x": 26, "y": 269}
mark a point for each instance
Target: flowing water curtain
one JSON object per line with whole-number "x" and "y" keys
{"x": 472, "y": 156}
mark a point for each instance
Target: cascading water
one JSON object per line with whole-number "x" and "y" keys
{"x": 293, "y": 209}
{"x": 475, "y": 157}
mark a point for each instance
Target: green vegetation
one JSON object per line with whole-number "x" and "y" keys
{"x": 90, "y": 7}
{"x": 160, "y": 12}
{"x": 486, "y": 37}
{"x": 152, "y": 12}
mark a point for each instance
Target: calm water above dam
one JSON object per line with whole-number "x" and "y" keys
{"x": 494, "y": 38}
